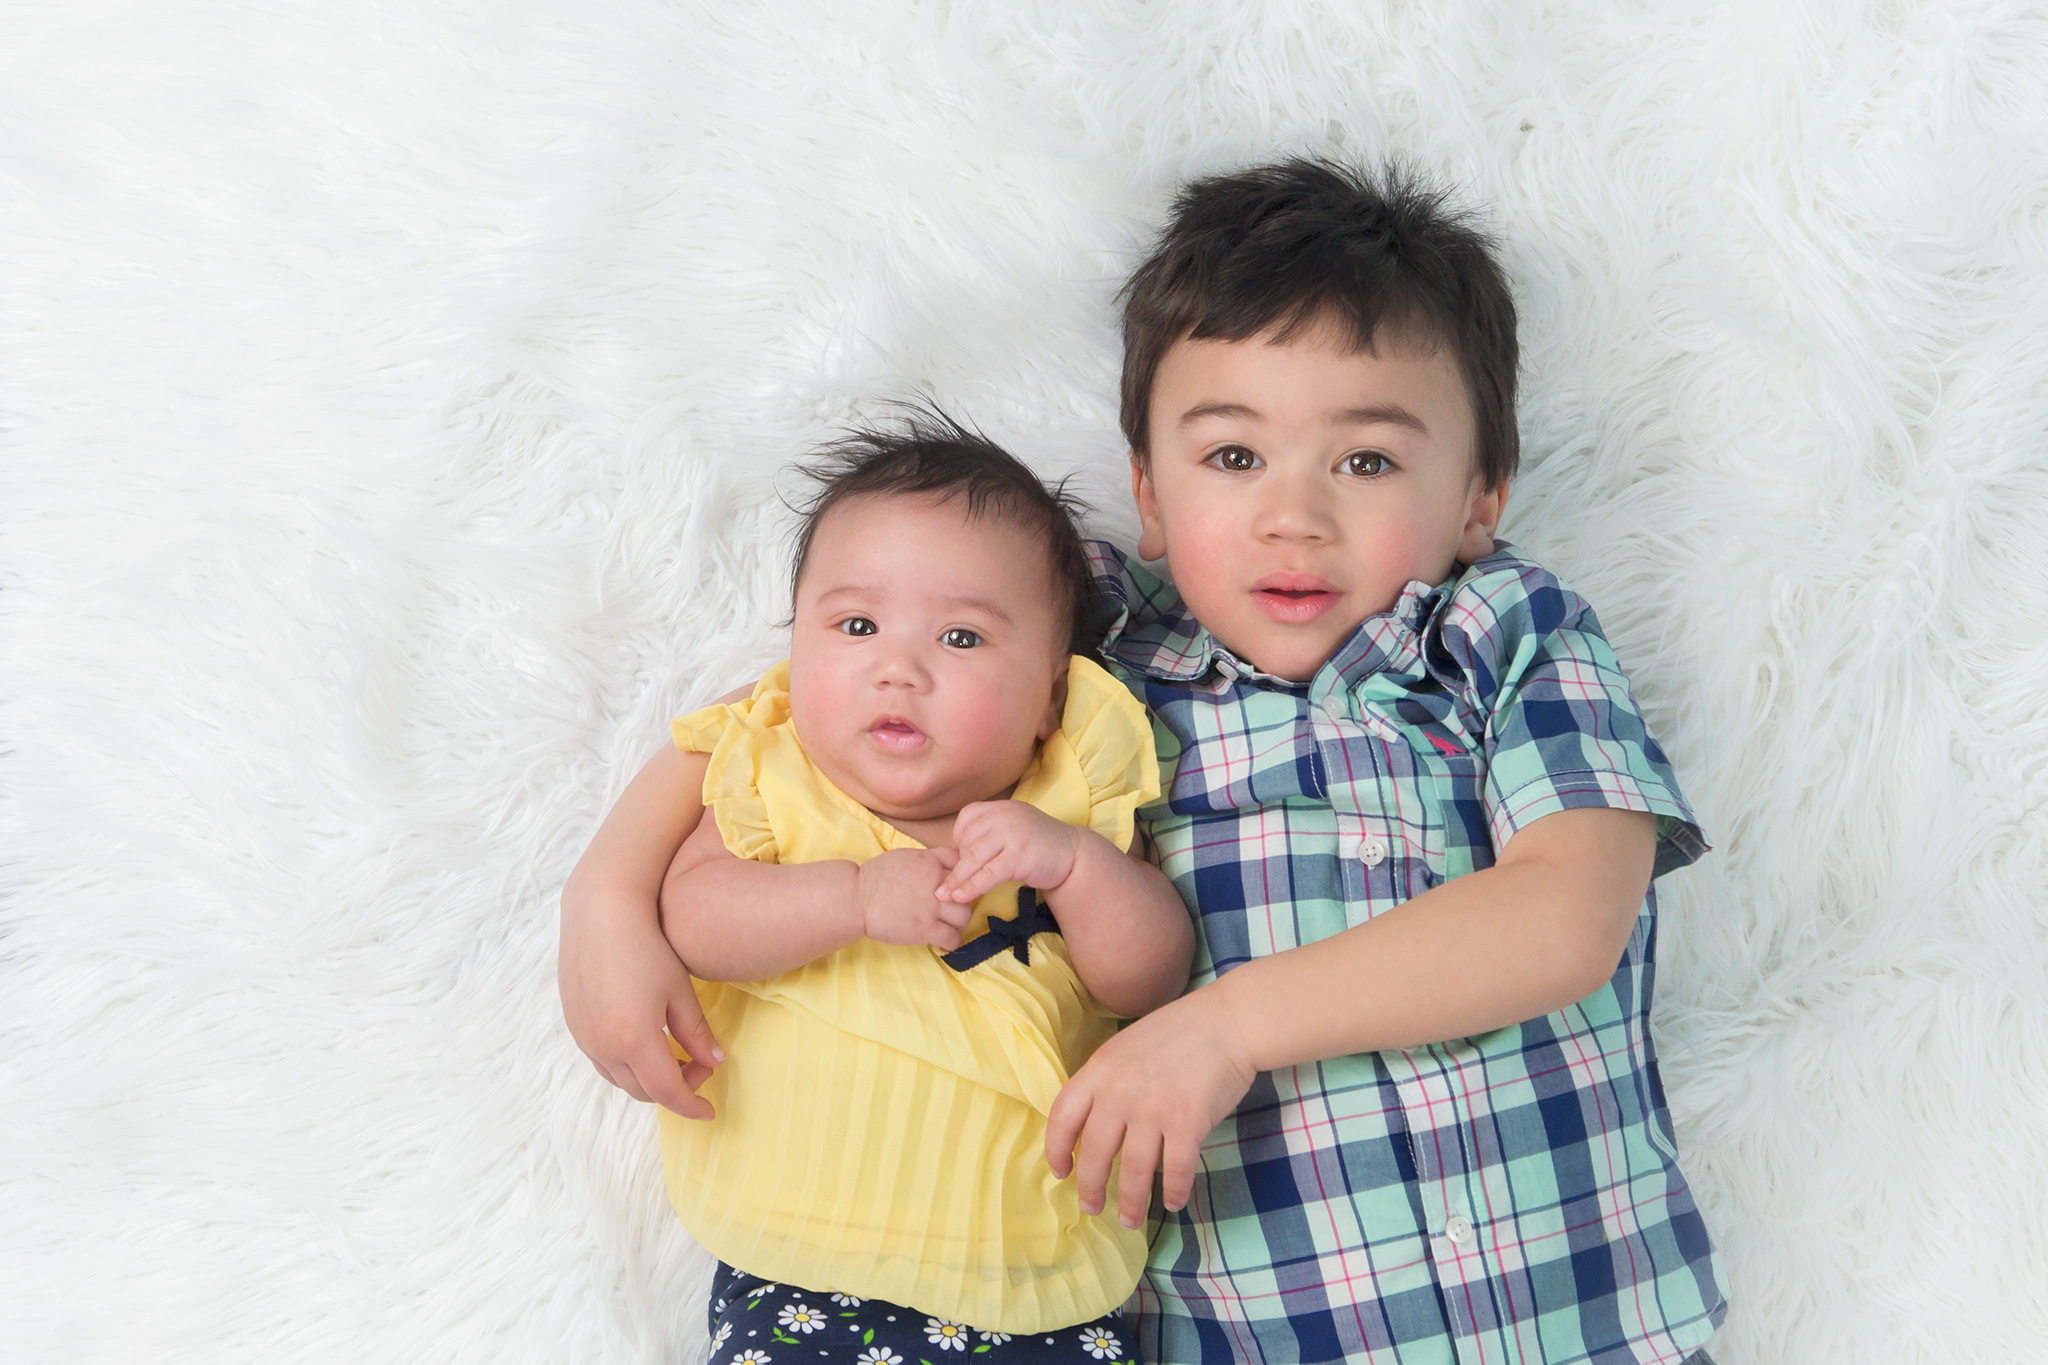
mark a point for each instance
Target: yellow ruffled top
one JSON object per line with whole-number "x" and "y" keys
{"x": 881, "y": 1116}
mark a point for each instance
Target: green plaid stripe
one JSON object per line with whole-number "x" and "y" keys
{"x": 1506, "y": 1198}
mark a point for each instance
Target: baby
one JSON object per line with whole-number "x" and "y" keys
{"x": 913, "y": 917}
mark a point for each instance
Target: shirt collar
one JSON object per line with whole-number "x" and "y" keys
{"x": 1149, "y": 629}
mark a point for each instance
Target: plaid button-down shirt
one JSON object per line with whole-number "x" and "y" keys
{"x": 1511, "y": 1197}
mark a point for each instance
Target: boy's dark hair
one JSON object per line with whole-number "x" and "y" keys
{"x": 1285, "y": 246}
{"x": 929, "y": 453}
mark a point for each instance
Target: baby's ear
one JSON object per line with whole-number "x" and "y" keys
{"x": 1056, "y": 709}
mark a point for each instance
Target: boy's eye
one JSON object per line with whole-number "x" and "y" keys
{"x": 1367, "y": 463}
{"x": 858, "y": 625}
{"x": 960, "y": 638}
{"x": 1236, "y": 459}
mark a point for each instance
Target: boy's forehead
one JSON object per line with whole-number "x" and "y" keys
{"x": 1392, "y": 354}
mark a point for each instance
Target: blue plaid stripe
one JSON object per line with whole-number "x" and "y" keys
{"x": 1320, "y": 1227}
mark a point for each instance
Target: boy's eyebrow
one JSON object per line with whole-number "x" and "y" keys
{"x": 1383, "y": 414}
{"x": 1376, "y": 414}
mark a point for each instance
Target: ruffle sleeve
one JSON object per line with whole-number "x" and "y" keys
{"x": 1103, "y": 754}
{"x": 738, "y": 736}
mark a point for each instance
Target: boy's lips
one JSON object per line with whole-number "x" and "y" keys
{"x": 1294, "y": 598}
{"x": 895, "y": 734}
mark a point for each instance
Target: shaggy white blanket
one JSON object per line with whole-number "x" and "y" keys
{"x": 392, "y": 398}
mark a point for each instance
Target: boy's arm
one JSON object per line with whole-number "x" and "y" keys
{"x": 619, "y": 981}
{"x": 1125, "y": 926}
{"x": 734, "y": 919}
{"x": 1541, "y": 928}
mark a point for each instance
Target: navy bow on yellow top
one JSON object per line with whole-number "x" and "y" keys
{"x": 1032, "y": 917}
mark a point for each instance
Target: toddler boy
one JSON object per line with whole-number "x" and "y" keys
{"x": 1409, "y": 1110}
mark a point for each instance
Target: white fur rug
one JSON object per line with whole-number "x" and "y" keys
{"x": 391, "y": 399}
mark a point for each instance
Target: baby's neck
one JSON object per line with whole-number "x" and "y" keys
{"x": 934, "y": 831}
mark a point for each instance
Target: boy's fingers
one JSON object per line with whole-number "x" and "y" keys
{"x": 622, "y": 1077}
{"x": 1100, "y": 1142}
{"x": 686, "y": 1025}
{"x": 1134, "y": 1176}
{"x": 1063, "y": 1123}
{"x": 1177, "y": 1171}
{"x": 660, "y": 1080}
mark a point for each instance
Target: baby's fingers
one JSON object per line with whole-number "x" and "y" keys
{"x": 971, "y": 867}
{"x": 999, "y": 867}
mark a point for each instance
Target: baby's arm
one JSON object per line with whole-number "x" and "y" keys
{"x": 618, "y": 980}
{"x": 1125, "y": 926}
{"x": 734, "y": 919}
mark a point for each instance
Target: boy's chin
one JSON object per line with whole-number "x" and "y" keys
{"x": 1295, "y": 655}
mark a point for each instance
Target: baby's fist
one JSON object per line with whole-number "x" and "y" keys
{"x": 898, "y": 898}
{"x": 1008, "y": 841}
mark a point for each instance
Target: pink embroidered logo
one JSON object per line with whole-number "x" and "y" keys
{"x": 1443, "y": 746}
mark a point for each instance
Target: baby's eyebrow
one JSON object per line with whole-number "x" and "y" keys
{"x": 983, "y": 604}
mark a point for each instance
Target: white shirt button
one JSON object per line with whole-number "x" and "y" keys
{"x": 1458, "y": 1228}
{"x": 1372, "y": 853}
{"x": 1333, "y": 707}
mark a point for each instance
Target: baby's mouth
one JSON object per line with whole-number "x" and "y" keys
{"x": 895, "y": 733}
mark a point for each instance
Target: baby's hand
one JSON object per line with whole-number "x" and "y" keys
{"x": 1008, "y": 841}
{"x": 896, "y": 892}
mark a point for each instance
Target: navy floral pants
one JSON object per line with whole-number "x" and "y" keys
{"x": 756, "y": 1322}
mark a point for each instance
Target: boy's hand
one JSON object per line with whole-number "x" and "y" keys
{"x": 896, "y": 893}
{"x": 616, "y": 996}
{"x": 1152, "y": 1094}
{"x": 1008, "y": 841}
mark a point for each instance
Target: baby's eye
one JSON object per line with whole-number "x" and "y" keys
{"x": 858, "y": 625}
{"x": 959, "y": 638}
{"x": 1367, "y": 463}
{"x": 1236, "y": 459}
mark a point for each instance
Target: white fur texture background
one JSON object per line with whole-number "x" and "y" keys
{"x": 391, "y": 402}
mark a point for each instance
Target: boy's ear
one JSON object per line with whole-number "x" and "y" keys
{"x": 1056, "y": 709}
{"x": 1482, "y": 516}
{"x": 1151, "y": 536}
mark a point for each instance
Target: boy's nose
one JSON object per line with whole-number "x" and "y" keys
{"x": 1293, "y": 505}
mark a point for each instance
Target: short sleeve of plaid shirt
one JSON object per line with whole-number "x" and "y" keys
{"x": 1512, "y": 1197}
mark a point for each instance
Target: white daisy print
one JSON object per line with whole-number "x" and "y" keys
{"x": 994, "y": 1338}
{"x": 759, "y": 1290}
{"x": 947, "y": 1336}
{"x": 724, "y": 1331}
{"x": 1101, "y": 1343}
{"x": 801, "y": 1317}
{"x": 878, "y": 1355}
{"x": 752, "y": 1358}
{"x": 846, "y": 1300}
